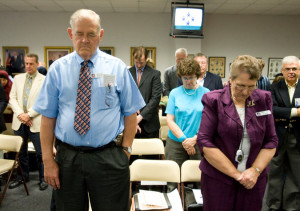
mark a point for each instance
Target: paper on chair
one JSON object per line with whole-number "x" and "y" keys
{"x": 153, "y": 183}
{"x": 175, "y": 200}
{"x": 198, "y": 196}
{"x": 152, "y": 198}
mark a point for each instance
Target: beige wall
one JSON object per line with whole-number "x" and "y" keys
{"x": 225, "y": 35}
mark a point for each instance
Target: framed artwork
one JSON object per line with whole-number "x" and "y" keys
{"x": 13, "y": 59}
{"x": 274, "y": 67}
{"x": 216, "y": 65}
{"x": 51, "y": 53}
{"x": 151, "y": 55}
{"x": 108, "y": 50}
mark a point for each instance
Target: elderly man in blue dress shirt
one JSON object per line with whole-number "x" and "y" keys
{"x": 88, "y": 98}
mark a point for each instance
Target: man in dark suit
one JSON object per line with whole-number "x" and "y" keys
{"x": 170, "y": 77}
{"x": 207, "y": 79}
{"x": 149, "y": 84}
{"x": 284, "y": 177}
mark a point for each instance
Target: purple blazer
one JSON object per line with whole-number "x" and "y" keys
{"x": 222, "y": 128}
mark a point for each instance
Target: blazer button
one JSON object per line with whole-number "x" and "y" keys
{"x": 285, "y": 126}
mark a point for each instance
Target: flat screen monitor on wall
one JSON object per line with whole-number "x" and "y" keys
{"x": 187, "y": 20}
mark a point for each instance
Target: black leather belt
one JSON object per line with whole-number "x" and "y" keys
{"x": 85, "y": 149}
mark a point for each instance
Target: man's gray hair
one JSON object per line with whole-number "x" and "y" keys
{"x": 181, "y": 50}
{"x": 290, "y": 59}
{"x": 84, "y": 13}
{"x": 201, "y": 55}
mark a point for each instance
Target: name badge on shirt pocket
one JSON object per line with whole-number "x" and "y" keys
{"x": 96, "y": 75}
{"x": 263, "y": 113}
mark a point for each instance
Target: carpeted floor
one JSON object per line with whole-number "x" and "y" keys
{"x": 17, "y": 199}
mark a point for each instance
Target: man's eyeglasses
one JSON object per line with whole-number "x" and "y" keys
{"x": 188, "y": 78}
{"x": 243, "y": 87}
{"x": 293, "y": 69}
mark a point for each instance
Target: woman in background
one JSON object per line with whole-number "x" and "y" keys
{"x": 237, "y": 139}
{"x": 3, "y": 104}
{"x": 6, "y": 82}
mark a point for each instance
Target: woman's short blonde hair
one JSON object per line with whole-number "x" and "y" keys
{"x": 245, "y": 64}
{"x": 188, "y": 67}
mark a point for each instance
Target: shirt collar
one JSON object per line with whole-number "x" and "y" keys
{"x": 141, "y": 69}
{"x": 91, "y": 61}
{"x": 203, "y": 77}
{"x": 32, "y": 76}
{"x": 294, "y": 85}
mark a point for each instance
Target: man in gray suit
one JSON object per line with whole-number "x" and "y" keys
{"x": 283, "y": 192}
{"x": 170, "y": 77}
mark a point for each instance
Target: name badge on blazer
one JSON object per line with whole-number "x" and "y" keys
{"x": 297, "y": 102}
{"x": 263, "y": 113}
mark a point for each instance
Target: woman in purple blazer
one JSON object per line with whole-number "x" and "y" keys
{"x": 237, "y": 139}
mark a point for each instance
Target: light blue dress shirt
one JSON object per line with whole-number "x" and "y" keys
{"x": 187, "y": 110}
{"x": 114, "y": 95}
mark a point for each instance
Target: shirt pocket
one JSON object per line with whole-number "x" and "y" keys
{"x": 106, "y": 97}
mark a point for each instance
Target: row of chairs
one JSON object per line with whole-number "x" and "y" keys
{"x": 153, "y": 170}
{"x": 166, "y": 171}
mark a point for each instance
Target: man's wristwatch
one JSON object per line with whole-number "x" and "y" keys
{"x": 128, "y": 149}
{"x": 29, "y": 114}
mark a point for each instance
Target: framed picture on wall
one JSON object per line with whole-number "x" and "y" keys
{"x": 274, "y": 67}
{"x": 108, "y": 50}
{"x": 216, "y": 65}
{"x": 51, "y": 53}
{"x": 13, "y": 58}
{"x": 151, "y": 55}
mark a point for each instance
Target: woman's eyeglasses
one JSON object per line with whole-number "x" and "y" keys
{"x": 188, "y": 78}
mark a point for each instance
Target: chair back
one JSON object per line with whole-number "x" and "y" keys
{"x": 10, "y": 143}
{"x": 151, "y": 146}
{"x": 164, "y": 129}
{"x": 190, "y": 171}
{"x": 163, "y": 132}
{"x": 155, "y": 170}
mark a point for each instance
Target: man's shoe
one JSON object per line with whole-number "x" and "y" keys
{"x": 15, "y": 184}
{"x": 43, "y": 185}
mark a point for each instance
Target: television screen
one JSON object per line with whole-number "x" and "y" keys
{"x": 187, "y": 20}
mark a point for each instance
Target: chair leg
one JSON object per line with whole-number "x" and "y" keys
{"x": 130, "y": 194}
{"x": 6, "y": 185}
{"x": 182, "y": 196}
{"x": 23, "y": 179}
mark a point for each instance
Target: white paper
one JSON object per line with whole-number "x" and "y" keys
{"x": 198, "y": 196}
{"x": 153, "y": 183}
{"x": 175, "y": 200}
{"x": 108, "y": 80}
{"x": 151, "y": 200}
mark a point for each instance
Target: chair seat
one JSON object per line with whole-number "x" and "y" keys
{"x": 6, "y": 165}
